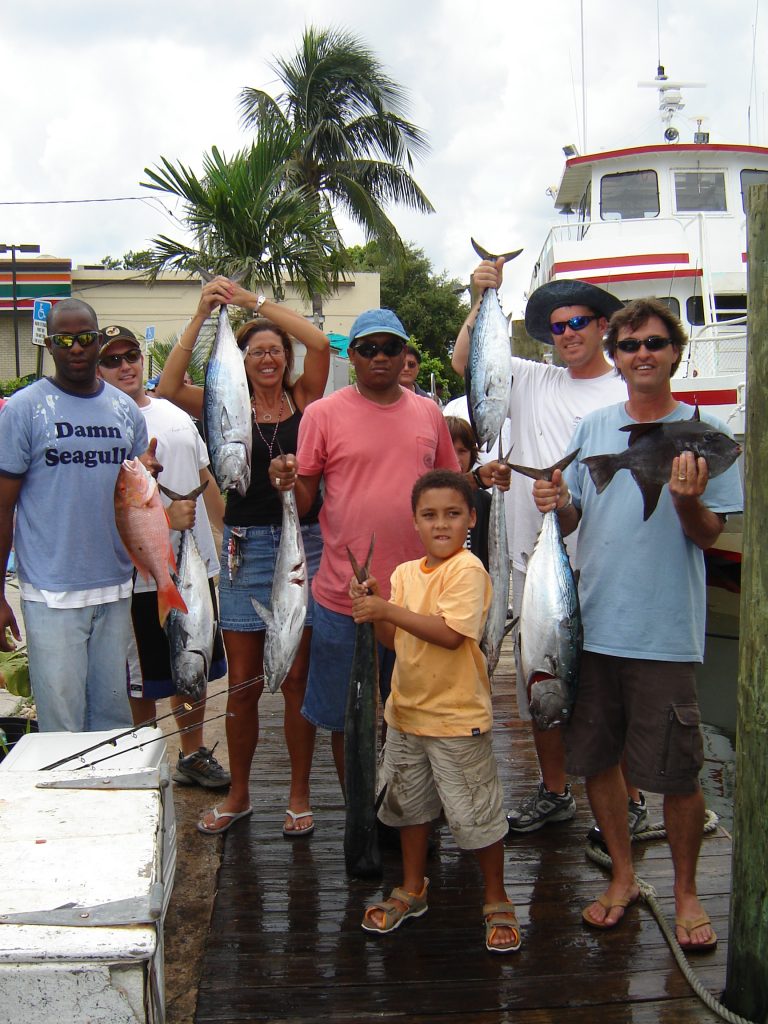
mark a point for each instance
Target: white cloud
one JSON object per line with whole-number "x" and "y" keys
{"x": 100, "y": 91}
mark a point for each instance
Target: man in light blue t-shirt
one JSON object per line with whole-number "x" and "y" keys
{"x": 642, "y": 594}
{"x": 62, "y": 442}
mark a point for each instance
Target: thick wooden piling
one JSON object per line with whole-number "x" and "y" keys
{"x": 747, "y": 975}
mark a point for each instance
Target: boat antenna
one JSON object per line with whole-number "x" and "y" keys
{"x": 583, "y": 84}
{"x": 752, "y": 88}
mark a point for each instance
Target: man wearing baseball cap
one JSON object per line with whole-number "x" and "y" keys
{"x": 368, "y": 443}
{"x": 185, "y": 467}
{"x": 546, "y": 404}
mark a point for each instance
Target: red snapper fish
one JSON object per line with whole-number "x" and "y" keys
{"x": 143, "y": 526}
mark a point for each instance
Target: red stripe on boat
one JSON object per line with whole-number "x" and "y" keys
{"x": 726, "y": 396}
{"x": 622, "y": 261}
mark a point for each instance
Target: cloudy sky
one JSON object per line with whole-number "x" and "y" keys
{"x": 95, "y": 92}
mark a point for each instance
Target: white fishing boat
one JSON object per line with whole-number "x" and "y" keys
{"x": 669, "y": 220}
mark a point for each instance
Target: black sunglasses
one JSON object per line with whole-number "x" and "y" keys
{"x": 84, "y": 339}
{"x": 113, "y": 361}
{"x": 576, "y": 323}
{"x": 654, "y": 344}
{"x": 369, "y": 349}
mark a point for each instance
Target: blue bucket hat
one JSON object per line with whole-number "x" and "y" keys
{"x": 377, "y": 321}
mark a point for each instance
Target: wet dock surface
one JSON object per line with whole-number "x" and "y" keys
{"x": 286, "y": 945}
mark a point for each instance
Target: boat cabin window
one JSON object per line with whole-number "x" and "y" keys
{"x": 669, "y": 301}
{"x": 700, "y": 192}
{"x": 633, "y": 194}
{"x": 727, "y": 307}
{"x": 749, "y": 177}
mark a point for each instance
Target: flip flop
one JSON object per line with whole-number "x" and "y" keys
{"x": 298, "y": 833}
{"x": 688, "y": 924}
{"x": 394, "y": 913}
{"x": 501, "y": 915}
{"x": 232, "y": 816}
{"x": 603, "y": 900}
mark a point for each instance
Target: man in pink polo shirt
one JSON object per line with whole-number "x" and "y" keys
{"x": 369, "y": 443}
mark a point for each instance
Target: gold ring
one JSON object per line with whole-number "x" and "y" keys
{"x": 681, "y": 476}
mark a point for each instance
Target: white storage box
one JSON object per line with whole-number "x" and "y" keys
{"x": 88, "y": 863}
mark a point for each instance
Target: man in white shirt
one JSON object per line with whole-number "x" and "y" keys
{"x": 546, "y": 404}
{"x": 185, "y": 467}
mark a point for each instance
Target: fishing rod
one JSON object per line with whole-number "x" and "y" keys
{"x": 155, "y": 739}
{"x": 153, "y": 722}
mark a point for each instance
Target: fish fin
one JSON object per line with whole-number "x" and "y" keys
{"x": 651, "y": 493}
{"x": 696, "y": 414}
{"x": 546, "y": 474}
{"x": 526, "y": 559}
{"x": 485, "y": 255}
{"x": 192, "y": 496}
{"x": 638, "y": 430}
{"x": 169, "y": 597}
{"x": 468, "y": 393}
{"x": 602, "y": 469}
{"x": 225, "y": 423}
{"x": 264, "y": 612}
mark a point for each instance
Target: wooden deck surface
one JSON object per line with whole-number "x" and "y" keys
{"x": 286, "y": 944}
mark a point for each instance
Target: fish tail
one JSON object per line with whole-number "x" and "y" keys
{"x": 485, "y": 255}
{"x": 545, "y": 474}
{"x": 192, "y": 496}
{"x": 169, "y": 597}
{"x": 602, "y": 469}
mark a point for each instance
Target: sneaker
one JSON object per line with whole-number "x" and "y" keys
{"x": 637, "y": 820}
{"x": 201, "y": 768}
{"x": 541, "y": 809}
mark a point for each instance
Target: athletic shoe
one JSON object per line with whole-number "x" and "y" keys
{"x": 637, "y": 820}
{"x": 201, "y": 768}
{"x": 542, "y": 809}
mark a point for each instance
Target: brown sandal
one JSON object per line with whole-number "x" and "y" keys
{"x": 400, "y": 905}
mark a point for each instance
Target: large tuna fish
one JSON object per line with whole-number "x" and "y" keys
{"x": 653, "y": 446}
{"x": 496, "y": 625}
{"x": 489, "y": 366}
{"x": 227, "y": 410}
{"x": 142, "y": 523}
{"x": 550, "y": 633}
{"x": 290, "y": 593}
{"x": 361, "y": 837}
{"x": 191, "y": 634}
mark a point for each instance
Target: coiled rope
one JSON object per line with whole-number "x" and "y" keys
{"x": 648, "y": 893}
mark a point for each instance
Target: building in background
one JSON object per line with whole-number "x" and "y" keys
{"x": 125, "y": 297}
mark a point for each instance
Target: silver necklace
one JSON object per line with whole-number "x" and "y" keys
{"x": 269, "y": 445}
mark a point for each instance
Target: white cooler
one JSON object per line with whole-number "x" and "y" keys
{"x": 88, "y": 857}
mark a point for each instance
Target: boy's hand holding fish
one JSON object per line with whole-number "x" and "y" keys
{"x": 367, "y": 604}
{"x": 181, "y": 514}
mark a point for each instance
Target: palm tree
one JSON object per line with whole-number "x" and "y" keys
{"x": 354, "y": 149}
{"x": 248, "y": 220}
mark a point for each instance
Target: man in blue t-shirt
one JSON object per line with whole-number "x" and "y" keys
{"x": 642, "y": 594}
{"x": 62, "y": 442}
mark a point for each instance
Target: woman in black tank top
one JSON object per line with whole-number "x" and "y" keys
{"x": 251, "y": 533}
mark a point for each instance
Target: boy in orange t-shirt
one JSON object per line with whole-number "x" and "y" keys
{"x": 439, "y": 711}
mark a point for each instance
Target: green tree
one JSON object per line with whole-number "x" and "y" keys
{"x": 247, "y": 219}
{"x": 430, "y": 306}
{"x": 353, "y": 147}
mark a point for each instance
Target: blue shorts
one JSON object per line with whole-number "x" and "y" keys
{"x": 258, "y": 552}
{"x": 330, "y": 667}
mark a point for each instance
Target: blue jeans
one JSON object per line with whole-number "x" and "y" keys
{"x": 77, "y": 660}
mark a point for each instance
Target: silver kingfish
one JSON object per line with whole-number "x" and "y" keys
{"x": 496, "y": 625}
{"x": 191, "y": 634}
{"x": 227, "y": 409}
{"x": 489, "y": 366}
{"x": 290, "y": 593}
{"x": 551, "y": 634}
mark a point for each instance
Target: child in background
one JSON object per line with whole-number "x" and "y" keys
{"x": 439, "y": 711}
{"x": 465, "y": 446}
